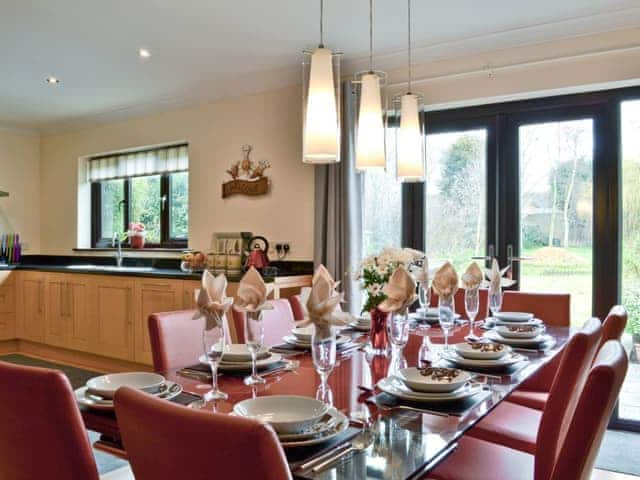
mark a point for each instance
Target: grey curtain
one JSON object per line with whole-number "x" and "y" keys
{"x": 338, "y": 212}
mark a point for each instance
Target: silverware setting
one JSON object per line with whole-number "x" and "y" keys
{"x": 358, "y": 444}
{"x": 391, "y": 408}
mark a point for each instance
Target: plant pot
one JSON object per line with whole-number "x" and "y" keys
{"x": 137, "y": 241}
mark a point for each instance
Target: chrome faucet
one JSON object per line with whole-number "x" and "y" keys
{"x": 117, "y": 243}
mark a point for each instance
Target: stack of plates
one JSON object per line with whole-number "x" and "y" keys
{"x": 411, "y": 384}
{"x": 298, "y": 421}
{"x": 536, "y": 341}
{"x": 464, "y": 356}
{"x": 429, "y": 315}
{"x": 99, "y": 391}
{"x": 237, "y": 358}
{"x": 362, "y": 324}
{"x": 516, "y": 318}
{"x": 301, "y": 338}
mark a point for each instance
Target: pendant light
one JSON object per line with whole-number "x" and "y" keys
{"x": 370, "y": 140}
{"x": 410, "y": 151}
{"x": 321, "y": 103}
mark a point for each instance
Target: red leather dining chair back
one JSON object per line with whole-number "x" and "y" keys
{"x": 296, "y": 307}
{"x": 572, "y": 373}
{"x": 165, "y": 440}
{"x": 41, "y": 431}
{"x": 553, "y": 309}
{"x": 483, "y": 308}
{"x": 278, "y": 322}
{"x": 176, "y": 339}
{"x": 614, "y": 325}
{"x": 584, "y": 433}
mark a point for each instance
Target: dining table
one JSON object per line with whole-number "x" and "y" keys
{"x": 399, "y": 442}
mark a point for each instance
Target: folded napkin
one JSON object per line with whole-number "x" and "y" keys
{"x": 400, "y": 292}
{"x": 252, "y": 293}
{"x": 421, "y": 273}
{"x": 322, "y": 303}
{"x": 211, "y": 300}
{"x": 496, "y": 279}
{"x": 445, "y": 281}
{"x": 472, "y": 277}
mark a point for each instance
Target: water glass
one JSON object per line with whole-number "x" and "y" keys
{"x": 424, "y": 296}
{"x": 254, "y": 338}
{"x": 495, "y": 301}
{"x": 446, "y": 316}
{"x": 215, "y": 342}
{"x": 398, "y": 330}
{"x": 323, "y": 352}
{"x": 472, "y": 306}
{"x": 425, "y": 357}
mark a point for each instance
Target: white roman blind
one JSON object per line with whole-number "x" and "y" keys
{"x": 174, "y": 158}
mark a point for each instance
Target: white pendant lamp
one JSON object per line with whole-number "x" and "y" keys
{"x": 410, "y": 151}
{"x": 321, "y": 103}
{"x": 370, "y": 141}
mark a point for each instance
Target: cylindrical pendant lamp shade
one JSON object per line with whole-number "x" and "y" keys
{"x": 321, "y": 108}
{"x": 410, "y": 146}
{"x": 370, "y": 146}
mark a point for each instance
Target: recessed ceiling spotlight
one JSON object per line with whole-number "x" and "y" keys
{"x": 144, "y": 53}
{"x": 52, "y": 80}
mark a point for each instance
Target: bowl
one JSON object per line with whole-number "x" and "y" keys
{"x": 515, "y": 331}
{"x": 303, "y": 333}
{"x": 430, "y": 380}
{"x": 285, "y": 413}
{"x": 482, "y": 350}
{"x": 514, "y": 316}
{"x": 106, "y": 385}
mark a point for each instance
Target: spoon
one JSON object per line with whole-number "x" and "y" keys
{"x": 358, "y": 444}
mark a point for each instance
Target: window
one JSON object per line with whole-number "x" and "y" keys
{"x": 149, "y": 187}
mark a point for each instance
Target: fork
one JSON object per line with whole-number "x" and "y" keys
{"x": 391, "y": 408}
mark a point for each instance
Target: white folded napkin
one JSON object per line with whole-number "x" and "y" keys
{"x": 253, "y": 292}
{"x": 400, "y": 292}
{"x": 421, "y": 273}
{"x": 211, "y": 300}
{"x": 496, "y": 279}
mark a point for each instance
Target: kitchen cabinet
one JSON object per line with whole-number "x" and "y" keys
{"x": 150, "y": 296}
{"x": 31, "y": 306}
{"x": 7, "y": 307}
{"x": 55, "y": 332}
{"x": 67, "y": 319}
{"x": 111, "y": 313}
{"x": 188, "y": 294}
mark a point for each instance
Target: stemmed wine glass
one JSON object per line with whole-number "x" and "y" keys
{"x": 323, "y": 352}
{"x": 446, "y": 316}
{"x": 215, "y": 342}
{"x": 398, "y": 334}
{"x": 472, "y": 306}
{"x": 254, "y": 337}
{"x": 495, "y": 301}
{"x": 424, "y": 296}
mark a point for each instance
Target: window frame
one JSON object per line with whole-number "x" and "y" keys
{"x": 98, "y": 241}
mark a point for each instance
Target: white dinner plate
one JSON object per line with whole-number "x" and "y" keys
{"x": 342, "y": 425}
{"x": 106, "y": 385}
{"x": 84, "y": 398}
{"x": 533, "y": 321}
{"x": 331, "y": 420}
{"x": 285, "y": 413}
{"x": 518, "y": 342}
{"x": 397, "y": 388}
{"x": 303, "y": 333}
{"x": 506, "y": 331}
{"x": 342, "y": 339}
{"x": 514, "y": 316}
{"x": 238, "y": 352}
{"x": 414, "y": 379}
{"x": 466, "y": 350}
{"x": 240, "y": 366}
{"x": 505, "y": 361}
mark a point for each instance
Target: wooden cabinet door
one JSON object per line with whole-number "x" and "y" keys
{"x": 56, "y": 329}
{"x": 31, "y": 307}
{"x": 7, "y": 326}
{"x": 152, "y": 295}
{"x": 77, "y": 311}
{"x": 111, "y": 312}
{"x": 7, "y": 307}
{"x": 188, "y": 293}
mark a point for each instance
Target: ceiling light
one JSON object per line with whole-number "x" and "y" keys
{"x": 52, "y": 80}
{"x": 321, "y": 103}
{"x": 370, "y": 142}
{"x": 410, "y": 151}
{"x": 144, "y": 53}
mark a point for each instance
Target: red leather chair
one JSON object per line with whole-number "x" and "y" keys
{"x": 612, "y": 329}
{"x": 459, "y": 303}
{"x": 552, "y": 308}
{"x": 176, "y": 339}
{"x": 565, "y": 452}
{"x": 41, "y": 431}
{"x": 520, "y": 427}
{"x": 278, "y": 322}
{"x": 164, "y": 440}
{"x": 296, "y": 307}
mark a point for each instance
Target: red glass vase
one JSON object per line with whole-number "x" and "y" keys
{"x": 378, "y": 334}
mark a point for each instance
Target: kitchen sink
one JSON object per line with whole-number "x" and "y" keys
{"x": 110, "y": 268}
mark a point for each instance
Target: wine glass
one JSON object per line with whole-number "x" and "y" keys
{"x": 254, "y": 337}
{"x": 425, "y": 357}
{"x": 472, "y": 306}
{"x": 215, "y": 342}
{"x": 323, "y": 352}
{"x": 495, "y": 301}
{"x": 398, "y": 334}
{"x": 446, "y": 316}
{"x": 424, "y": 296}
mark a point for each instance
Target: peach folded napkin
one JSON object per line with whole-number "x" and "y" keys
{"x": 400, "y": 292}
{"x": 496, "y": 279}
{"x": 472, "y": 277}
{"x": 445, "y": 281}
{"x": 252, "y": 293}
{"x": 322, "y": 303}
{"x": 212, "y": 301}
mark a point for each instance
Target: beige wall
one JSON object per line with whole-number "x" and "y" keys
{"x": 20, "y": 176}
{"x": 270, "y": 121}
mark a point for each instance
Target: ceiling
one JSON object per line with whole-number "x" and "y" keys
{"x": 204, "y": 50}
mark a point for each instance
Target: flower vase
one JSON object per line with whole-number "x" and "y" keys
{"x": 378, "y": 334}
